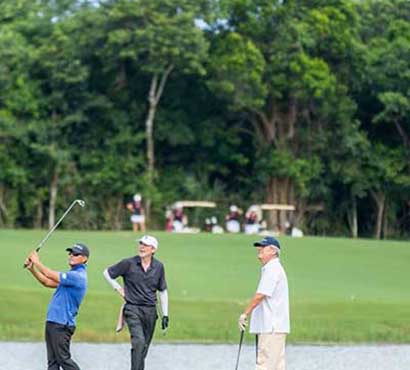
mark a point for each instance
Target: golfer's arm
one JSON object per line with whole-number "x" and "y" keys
{"x": 163, "y": 298}
{"x": 114, "y": 284}
{"x": 48, "y": 273}
{"x": 257, "y": 298}
{"x": 43, "y": 279}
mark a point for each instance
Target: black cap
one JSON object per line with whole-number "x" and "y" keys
{"x": 79, "y": 249}
{"x": 266, "y": 241}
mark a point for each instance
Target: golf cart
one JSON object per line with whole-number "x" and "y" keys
{"x": 177, "y": 219}
{"x": 260, "y": 225}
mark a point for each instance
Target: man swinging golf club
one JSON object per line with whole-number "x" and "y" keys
{"x": 70, "y": 288}
{"x": 269, "y": 308}
{"x": 143, "y": 276}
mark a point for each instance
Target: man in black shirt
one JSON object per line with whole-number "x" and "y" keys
{"x": 143, "y": 276}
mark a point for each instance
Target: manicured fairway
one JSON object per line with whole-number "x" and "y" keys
{"x": 341, "y": 290}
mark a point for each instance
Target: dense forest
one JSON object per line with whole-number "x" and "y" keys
{"x": 301, "y": 102}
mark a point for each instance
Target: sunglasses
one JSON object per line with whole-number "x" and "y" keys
{"x": 74, "y": 254}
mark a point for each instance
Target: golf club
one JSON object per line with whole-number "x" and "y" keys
{"x": 80, "y": 202}
{"x": 239, "y": 349}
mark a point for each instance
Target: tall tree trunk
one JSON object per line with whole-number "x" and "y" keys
{"x": 53, "y": 199}
{"x": 155, "y": 92}
{"x": 380, "y": 200}
{"x": 3, "y": 208}
{"x": 402, "y": 133}
{"x": 279, "y": 191}
{"x": 354, "y": 226}
{"x": 271, "y": 198}
{"x": 149, "y": 132}
{"x": 386, "y": 231}
{"x": 284, "y": 191}
{"x": 117, "y": 220}
{"x": 149, "y": 135}
{"x": 276, "y": 128}
{"x": 38, "y": 221}
{"x": 107, "y": 210}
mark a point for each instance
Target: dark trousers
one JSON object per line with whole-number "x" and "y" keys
{"x": 141, "y": 324}
{"x": 58, "y": 338}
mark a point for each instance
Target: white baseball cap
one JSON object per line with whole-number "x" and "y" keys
{"x": 137, "y": 197}
{"x": 149, "y": 240}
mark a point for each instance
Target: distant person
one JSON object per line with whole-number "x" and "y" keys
{"x": 208, "y": 225}
{"x": 297, "y": 233}
{"x": 252, "y": 220}
{"x": 179, "y": 219}
{"x": 168, "y": 220}
{"x": 288, "y": 228}
{"x": 215, "y": 228}
{"x": 292, "y": 230}
{"x": 62, "y": 310}
{"x": 269, "y": 308}
{"x": 137, "y": 213}
{"x": 143, "y": 276}
{"x": 232, "y": 220}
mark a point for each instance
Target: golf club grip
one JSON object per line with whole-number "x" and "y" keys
{"x": 37, "y": 249}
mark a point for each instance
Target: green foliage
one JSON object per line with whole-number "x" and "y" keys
{"x": 312, "y": 78}
{"x": 237, "y": 67}
{"x": 155, "y": 34}
{"x": 314, "y": 93}
{"x": 386, "y": 167}
{"x": 283, "y": 164}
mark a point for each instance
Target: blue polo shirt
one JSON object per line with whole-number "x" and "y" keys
{"x": 68, "y": 296}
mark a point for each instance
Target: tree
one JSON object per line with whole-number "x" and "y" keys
{"x": 296, "y": 93}
{"x": 17, "y": 102}
{"x": 156, "y": 39}
{"x": 61, "y": 78}
{"x": 383, "y": 100}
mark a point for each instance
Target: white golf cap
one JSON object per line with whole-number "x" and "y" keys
{"x": 137, "y": 197}
{"x": 233, "y": 208}
{"x": 149, "y": 240}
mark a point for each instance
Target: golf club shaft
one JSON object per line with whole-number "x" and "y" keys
{"x": 239, "y": 350}
{"x": 55, "y": 226}
{"x": 80, "y": 202}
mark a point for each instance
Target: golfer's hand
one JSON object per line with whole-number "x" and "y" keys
{"x": 243, "y": 322}
{"x": 164, "y": 322}
{"x": 28, "y": 264}
{"x": 33, "y": 257}
{"x": 121, "y": 292}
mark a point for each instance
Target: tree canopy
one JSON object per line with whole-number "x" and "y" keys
{"x": 235, "y": 101}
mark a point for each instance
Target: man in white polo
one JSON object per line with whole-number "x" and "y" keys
{"x": 269, "y": 308}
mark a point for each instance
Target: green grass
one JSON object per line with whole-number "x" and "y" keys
{"x": 341, "y": 290}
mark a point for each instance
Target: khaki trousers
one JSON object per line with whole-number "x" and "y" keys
{"x": 271, "y": 352}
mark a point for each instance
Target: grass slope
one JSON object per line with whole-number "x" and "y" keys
{"x": 341, "y": 290}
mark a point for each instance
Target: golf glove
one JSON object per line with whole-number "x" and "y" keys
{"x": 243, "y": 322}
{"x": 164, "y": 323}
